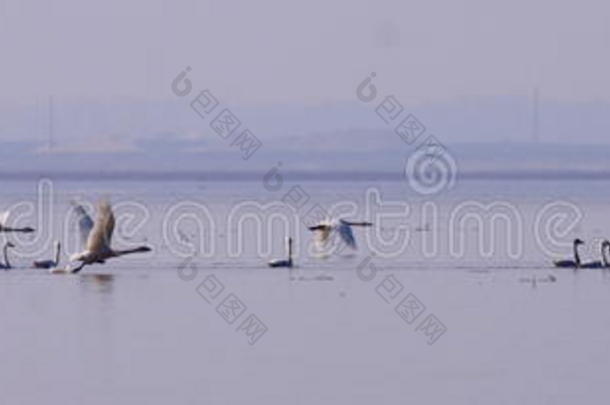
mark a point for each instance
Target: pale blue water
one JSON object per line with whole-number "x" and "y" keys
{"x": 137, "y": 330}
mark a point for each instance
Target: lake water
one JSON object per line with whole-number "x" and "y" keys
{"x": 458, "y": 308}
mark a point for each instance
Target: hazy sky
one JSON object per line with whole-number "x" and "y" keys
{"x": 310, "y": 52}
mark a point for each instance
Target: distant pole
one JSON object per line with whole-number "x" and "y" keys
{"x": 535, "y": 117}
{"x": 51, "y": 144}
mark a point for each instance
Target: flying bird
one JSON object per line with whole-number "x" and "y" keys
{"x": 4, "y": 228}
{"x": 324, "y": 229}
{"x": 97, "y": 237}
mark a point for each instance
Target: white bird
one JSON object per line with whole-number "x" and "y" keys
{"x": 98, "y": 238}
{"x": 3, "y": 228}
{"x": 603, "y": 264}
{"x": 48, "y": 264}
{"x": 344, "y": 228}
{"x": 6, "y": 265}
{"x": 282, "y": 262}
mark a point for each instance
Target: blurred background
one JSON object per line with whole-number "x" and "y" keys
{"x": 86, "y": 86}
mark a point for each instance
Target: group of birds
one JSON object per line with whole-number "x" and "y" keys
{"x": 344, "y": 229}
{"x": 323, "y": 231}
{"x": 576, "y": 263}
{"x": 95, "y": 236}
{"x": 8, "y": 245}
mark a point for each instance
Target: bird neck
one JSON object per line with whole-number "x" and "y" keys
{"x": 57, "y": 253}
{"x": 604, "y": 257}
{"x": 5, "y": 252}
{"x": 289, "y": 249}
{"x": 576, "y": 255}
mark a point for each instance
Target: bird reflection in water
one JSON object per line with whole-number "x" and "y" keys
{"x": 101, "y": 282}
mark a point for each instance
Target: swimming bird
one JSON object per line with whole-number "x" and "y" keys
{"x": 605, "y": 261}
{"x": 98, "y": 236}
{"x": 6, "y": 265}
{"x": 48, "y": 264}
{"x": 3, "y": 228}
{"x": 342, "y": 227}
{"x": 571, "y": 263}
{"x": 599, "y": 264}
{"x": 282, "y": 262}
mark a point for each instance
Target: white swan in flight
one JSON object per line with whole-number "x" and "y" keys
{"x": 324, "y": 229}
{"x": 49, "y": 264}
{"x": 6, "y": 265}
{"x": 571, "y": 263}
{"x": 97, "y": 238}
{"x": 282, "y": 262}
{"x": 3, "y": 228}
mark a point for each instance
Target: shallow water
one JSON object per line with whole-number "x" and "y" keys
{"x": 138, "y": 329}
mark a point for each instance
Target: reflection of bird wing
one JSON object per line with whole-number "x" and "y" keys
{"x": 3, "y": 218}
{"x": 101, "y": 234}
{"x": 85, "y": 224}
{"x": 345, "y": 231}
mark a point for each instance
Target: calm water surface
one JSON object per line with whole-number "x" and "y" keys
{"x": 139, "y": 330}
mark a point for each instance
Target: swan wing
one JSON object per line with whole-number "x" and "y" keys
{"x": 321, "y": 236}
{"x": 3, "y": 217}
{"x": 85, "y": 223}
{"x": 101, "y": 234}
{"x": 345, "y": 231}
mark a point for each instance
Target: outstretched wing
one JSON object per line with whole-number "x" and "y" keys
{"x": 3, "y": 218}
{"x": 345, "y": 231}
{"x": 85, "y": 223}
{"x": 101, "y": 234}
{"x": 321, "y": 235}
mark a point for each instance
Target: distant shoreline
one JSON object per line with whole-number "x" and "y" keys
{"x": 331, "y": 176}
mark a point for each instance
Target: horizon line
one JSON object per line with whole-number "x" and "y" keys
{"x": 322, "y": 175}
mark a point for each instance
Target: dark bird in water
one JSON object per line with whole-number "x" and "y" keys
{"x": 282, "y": 262}
{"x": 575, "y": 264}
{"x": 49, "y": 264}
{"x": 6, "y": 265}
{"x": 603, "y": 264}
